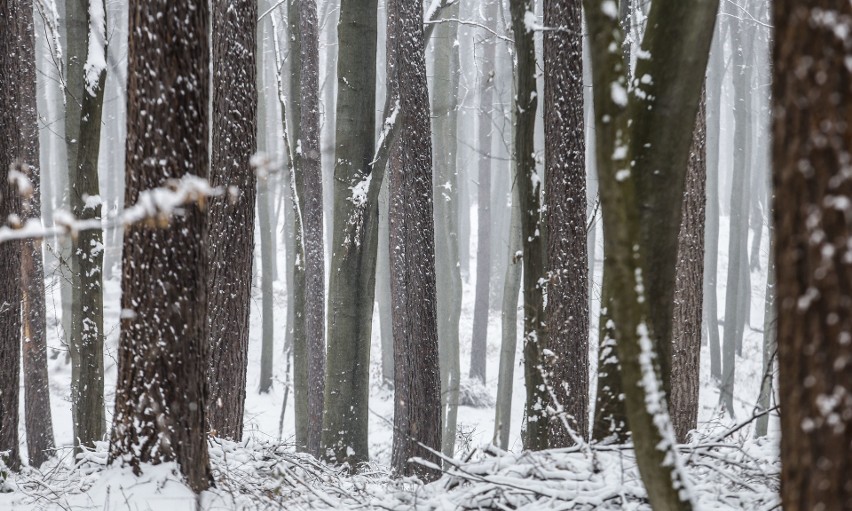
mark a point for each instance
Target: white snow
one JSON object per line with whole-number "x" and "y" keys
{"x": 96, "y": 59}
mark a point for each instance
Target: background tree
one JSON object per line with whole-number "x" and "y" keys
{"x": 230, "y": 243}
{"x": 352, "y": 279}
{"x": 445, "y": 105}
{"x": 417, "y": 400}
{"x": 811, "y": 109}
{"x": 567, "y": 316}
{"x": 162, "y": 358}
{"x": 84, "y": 96}
{"x": 528, "y": 182}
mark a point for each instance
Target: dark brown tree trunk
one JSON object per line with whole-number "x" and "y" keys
{"x": 688, "y": 297}
{"x": 308, "y": 152}
{"x": 610, "y": 425}
{"x": 417, "y": 384}
{"x": 529, "y": 185}
{"x": 18, "y": 150}
{"x": 565, "y": 195}
{"x": 811, "y": 141}
{"x": 230, "y": 244}
{"x": 161, "y": 391}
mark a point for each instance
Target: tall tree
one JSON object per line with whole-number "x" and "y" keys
{"x": 308, "y": 153}
{"x": 417, "y": 400}
{"x": 567, "y": 316}
{"x": 485, "y": 129}
{"x": 161, "y": 392}
{"x": 18, "y": 150}
{"x": 352, "y": 282}
{"x": 446, "y": 213}
{"x": 643, "y": 140}
{"x": 528, "y": 182}
{"x": 688, "y": 294}
{"x": 84, "y": 95}
{"x": 230, "y": 243}
{"x": 811, "y": 108}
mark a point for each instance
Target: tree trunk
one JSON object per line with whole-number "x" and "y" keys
{"x": 811, "y": 141}
{"x": 610, "y": 424}
{"x": 417, "y": 400}
{"x": 565, "y": 194}
{"x": 484, "y": 128}
{"x": 18, "y": 151}
{"x": 506, "y": 378}
{"x": 715, "y": 80}
{"x": 446, "y": 214}
{"x": 529, "y": 189}
{"x": 161, "y": 392}
{"x": 383, "y": 292}
{"x": 308, "y": 153}
{"x": 643, "y": 140}
{"x": 230, "y": 245}
{"x": 352, "y": 283}
{"x": 688, "y": 297}
{"x": 84, "y": 105}
{"x": 770, "y": 344}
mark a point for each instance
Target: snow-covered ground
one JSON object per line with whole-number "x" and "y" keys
{"x": 263, "y": 471}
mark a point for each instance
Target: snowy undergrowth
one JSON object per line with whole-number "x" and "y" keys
{"x": 729, "y": 471}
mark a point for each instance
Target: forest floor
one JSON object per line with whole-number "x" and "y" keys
{"x": 728, "y": 469}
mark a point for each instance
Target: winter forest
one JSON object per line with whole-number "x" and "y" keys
{"x": 425, "y": 254}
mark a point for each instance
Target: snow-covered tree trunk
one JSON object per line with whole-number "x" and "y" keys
{"x": 770, "y": 344}
{"x": 567, "y": 316}
{"x": 643, "y": 140}
{"x": 811, "y": 144}
{"x": 161, "y": 391}
{"x": 352, "y": 279}
{"x": 86, "y": 76}
{"x": 529, "y": 188}
{"x": 417, "y": 400}
{"x": 688, "y": 297}
{"x": 230, "y": 243}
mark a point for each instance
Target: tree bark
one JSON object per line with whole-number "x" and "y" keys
{"x": 417, "y": 400}
{"x": 529, "y": 188}
{"x": 84, "y": 107}
{"x": 811, "y": 141}
{"x": 162, "y": 358}
{"x": 18, "y": 151}
{"x": 688, "y": 297}
{"x": 567, "y": 315}
{"x": 352, "y": 283}
{"x": 230, "y": 244}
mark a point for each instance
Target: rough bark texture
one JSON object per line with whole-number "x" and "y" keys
{"x": 162, "y": 358}
{"x": 18, "y": 148}
{"x": 688, "y": 297}
{"x": 484, "y": 128}
{"x": 446, "y": 214}
{"x": 230, "y": 243}
{"x": 811, "y": 144}
{"x": 37, "y": 415}
{"x": 417, "y": 400}
{"x": 352, "y": 283}
{"x": 529, "y": 188}
{"x": 610, "y": 424}
{"x": 565, "y": 195}
{"x": 308, "y": 152}
{"x": 84, "y": 106}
